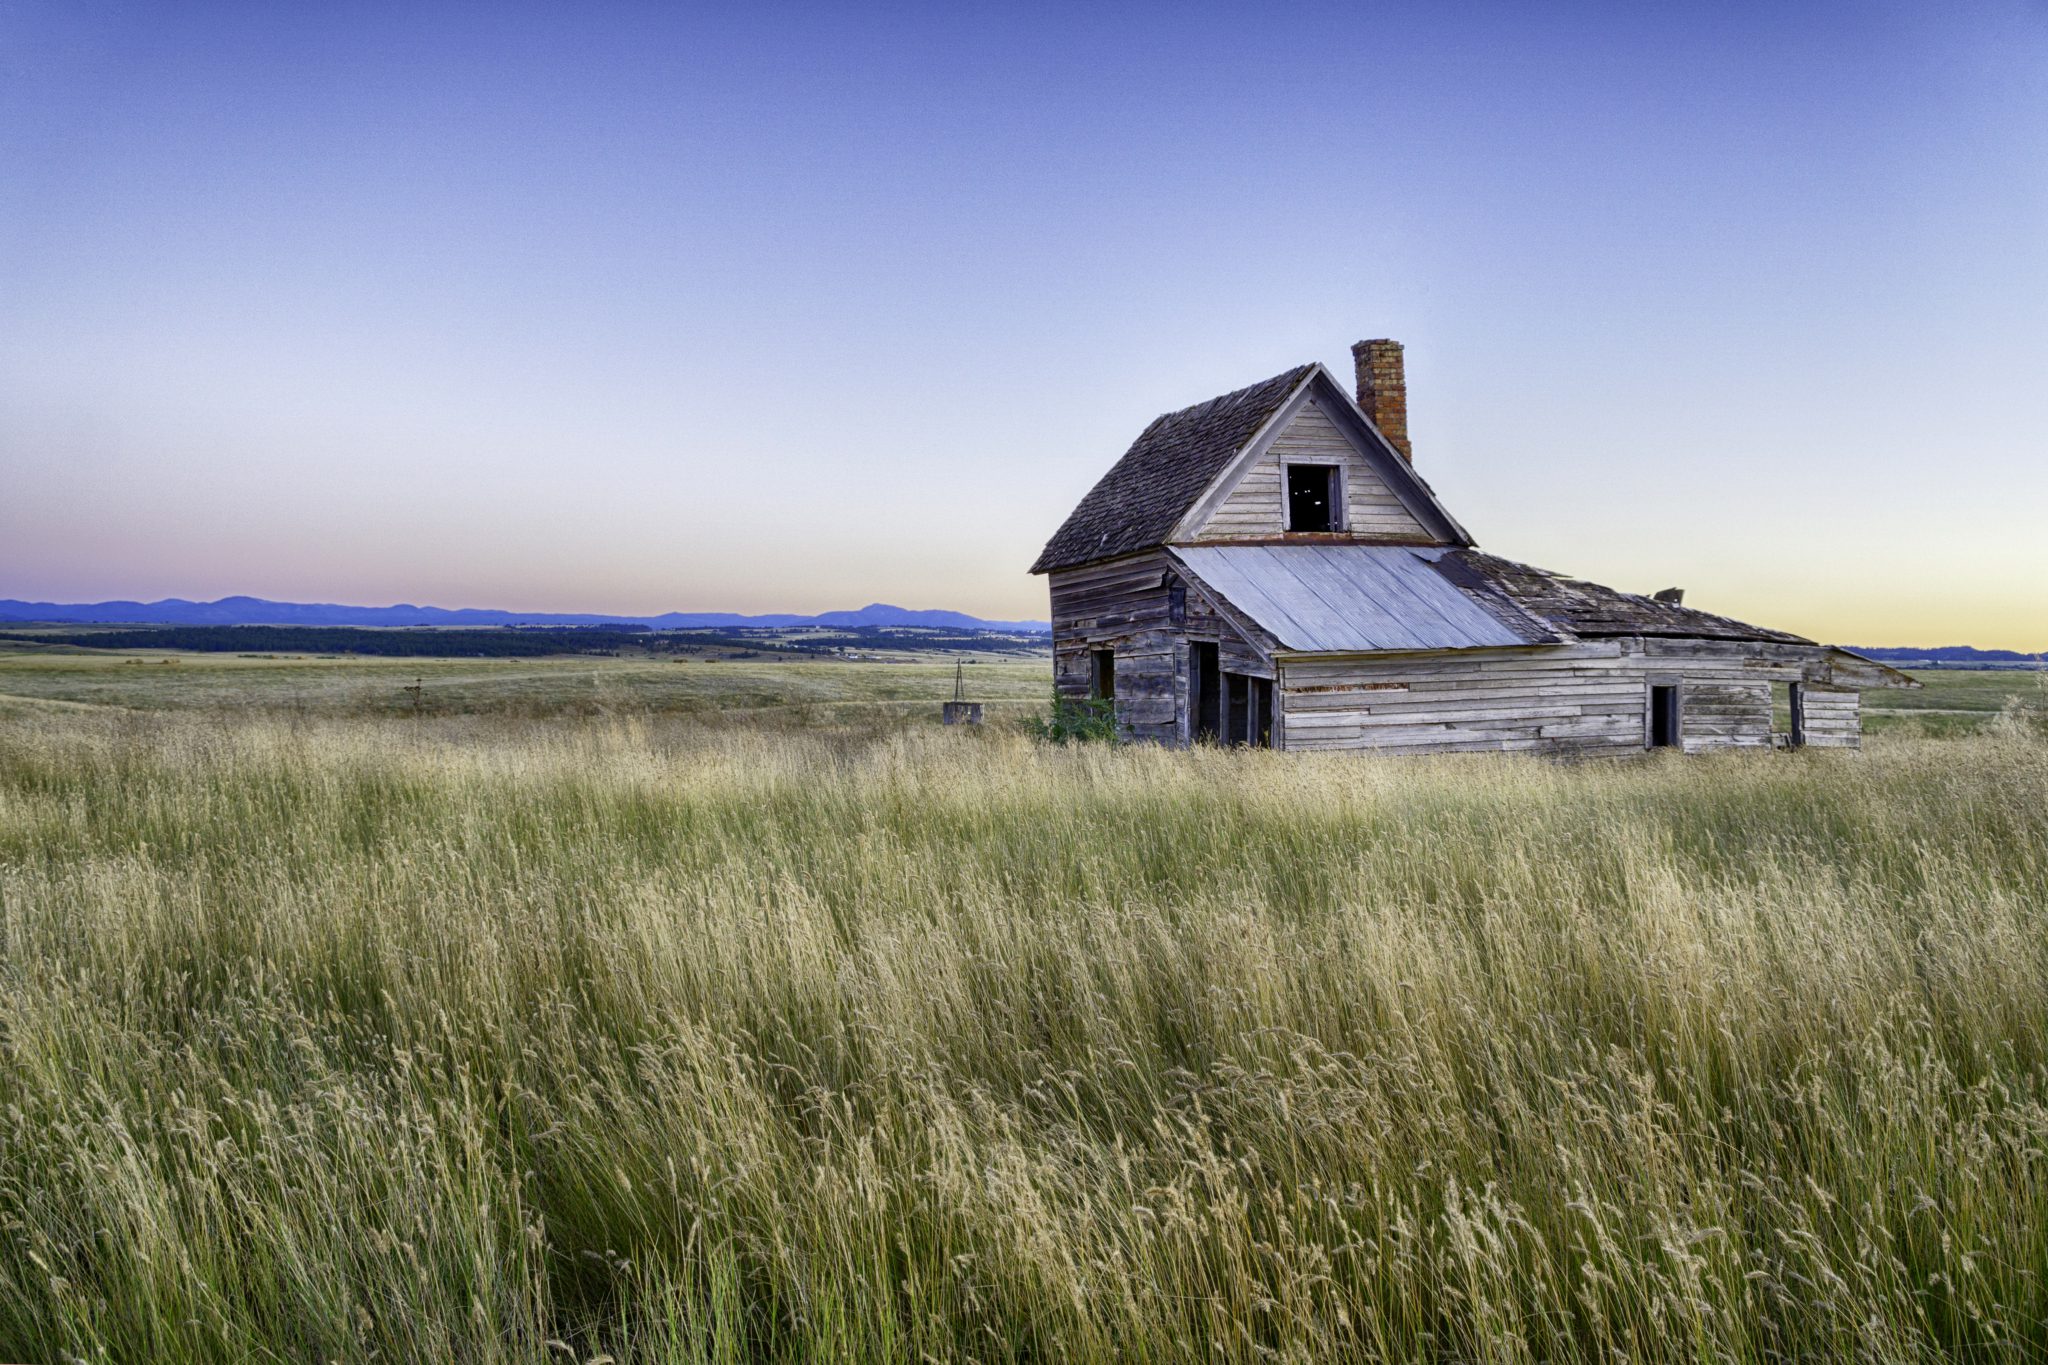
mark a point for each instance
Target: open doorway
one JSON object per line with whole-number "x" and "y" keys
{"x": 1247, "y": 711}
{"x": 1102, "y": 674}
{"x": 1788, "y": 715}
{"x": 1205, "y": 683}
{"x": 1667, "y": 716}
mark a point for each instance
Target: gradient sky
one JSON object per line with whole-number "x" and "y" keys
{"x": 622, "y": 308}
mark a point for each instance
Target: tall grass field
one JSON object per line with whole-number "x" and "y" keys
{"x": 822, "y": 1033}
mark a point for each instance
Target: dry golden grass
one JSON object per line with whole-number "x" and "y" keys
{"x": 488, "y": 1039}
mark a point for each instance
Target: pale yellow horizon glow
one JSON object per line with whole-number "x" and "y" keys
{"x": 1885, "y": 556}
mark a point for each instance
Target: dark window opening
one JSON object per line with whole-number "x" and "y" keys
{"x": 1312, "y": 498}
{"x": 1176, "y": 600}
{"x": 1102, "y": 675}
{"x": 1205, "y": 679}
{"x": 1664, "y": 716}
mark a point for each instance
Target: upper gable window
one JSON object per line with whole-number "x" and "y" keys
{"x": 1313, "y": 497}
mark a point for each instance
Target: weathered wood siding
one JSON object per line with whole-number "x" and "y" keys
{"x": 1720, "y": 711}
{"x": 1585, "y": 698}
{"x": 1728, "y": 690}
{"x": 1120, "y": 605}
{"x": 1834, "y": 718}
{"x": 1567, "y": 697}
{"x": 1124, "y": 606}
{"x": 1590, "y": 698}
{"x": 1254, "y": 509}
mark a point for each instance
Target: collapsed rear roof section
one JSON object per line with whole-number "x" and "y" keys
{"x": 1590, "y": 611}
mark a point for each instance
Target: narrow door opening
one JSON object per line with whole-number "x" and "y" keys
{"x": 1664, "y": 716}
{"x": 1102, "y": 674}
{"x": 1206, "y": 680}
{"x": 1312, "y": 498}
{"x": 1788, "y": 715}
{"x": 1247, "y": 710}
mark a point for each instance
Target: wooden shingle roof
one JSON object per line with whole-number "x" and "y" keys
{"x": 1588, "y": 610}
{"x": 1144, "y": 495}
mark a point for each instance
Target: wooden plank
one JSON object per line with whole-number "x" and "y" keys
{"x": 1556, "y": 699}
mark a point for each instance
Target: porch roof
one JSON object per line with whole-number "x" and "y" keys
{"x": 1358, "y": 598}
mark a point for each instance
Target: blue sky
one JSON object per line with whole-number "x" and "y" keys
{"x": 646, "y": 308}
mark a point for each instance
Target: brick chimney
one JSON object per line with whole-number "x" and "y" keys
{"x": 1383, "y": 390}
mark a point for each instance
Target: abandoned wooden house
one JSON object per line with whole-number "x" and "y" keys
{"x": 1267, "y": 568}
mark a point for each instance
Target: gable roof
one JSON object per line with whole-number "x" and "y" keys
{"x": 1142, "y": 498}
{"x": 1321, "y": 391}
{"x": 1351, "y": 597}
{"x": 1146, "y": 496}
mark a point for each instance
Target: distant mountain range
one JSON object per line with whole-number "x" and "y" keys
{"x": 1945, "y": 654}
{"x": 256, "y": 611}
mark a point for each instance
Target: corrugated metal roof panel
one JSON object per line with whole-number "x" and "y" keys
{"x": 1349, "y": 598}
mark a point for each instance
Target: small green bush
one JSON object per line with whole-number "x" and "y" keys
{"x": 1091, "y": 721}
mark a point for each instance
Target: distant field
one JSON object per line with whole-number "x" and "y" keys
{"x": 720, "y": 1012}
{"x": 1952, "y": 701}
{"x": 803, "y": 690}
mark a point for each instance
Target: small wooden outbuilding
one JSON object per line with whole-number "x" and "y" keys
{"x": 1267, "y": 568}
